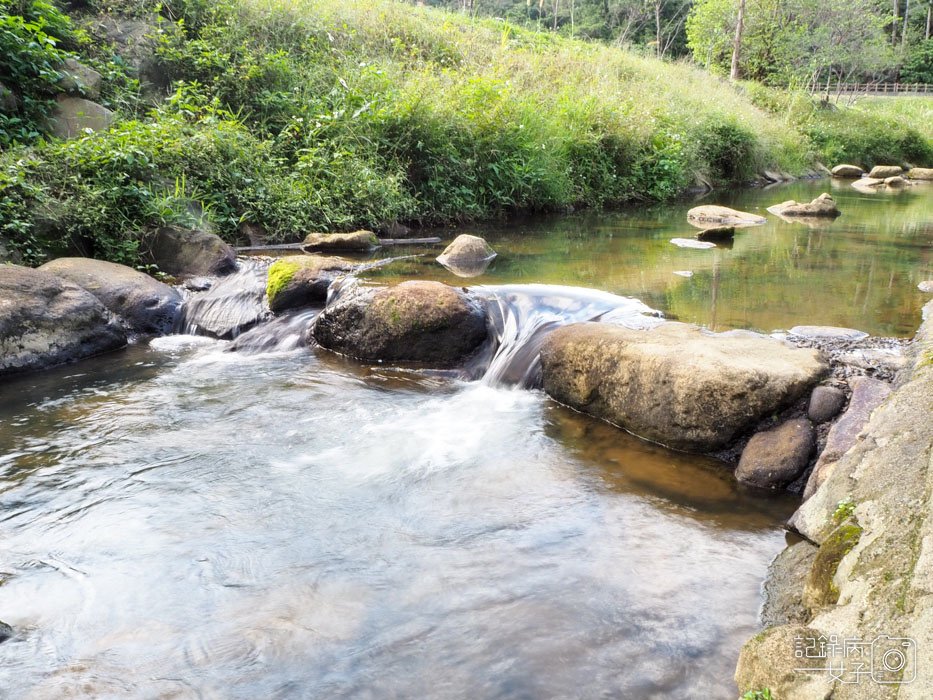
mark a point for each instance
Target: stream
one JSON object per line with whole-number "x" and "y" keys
{"x": 182, "y": 521}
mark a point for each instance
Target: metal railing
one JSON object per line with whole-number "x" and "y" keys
{"x": 882, "y": 89}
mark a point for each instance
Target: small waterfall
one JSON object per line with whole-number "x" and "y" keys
{"x": 522, "y": 315}
{"x": 284, "y": 333}
{"x": 232, "y": 305}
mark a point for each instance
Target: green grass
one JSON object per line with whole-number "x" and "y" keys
{"x": 336, "y": 115}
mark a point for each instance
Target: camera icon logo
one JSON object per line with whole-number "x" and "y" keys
{"x": 893, "y": 660}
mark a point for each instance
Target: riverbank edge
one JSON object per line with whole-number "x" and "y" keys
{"x": 881, "y": 496}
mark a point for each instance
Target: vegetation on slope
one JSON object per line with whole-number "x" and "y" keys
{"x": 327, "y": 114}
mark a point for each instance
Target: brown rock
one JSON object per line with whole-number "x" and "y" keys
{"x": 920, "y": 174}
{"x": 675, "y": 384}
{"x": 774, "y": 458}
{"x": 416, "y": 321}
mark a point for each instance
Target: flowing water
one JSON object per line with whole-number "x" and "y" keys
{"x": 193, "y": 518}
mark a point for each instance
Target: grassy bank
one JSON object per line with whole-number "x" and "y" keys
{"x": 326, "y": 114}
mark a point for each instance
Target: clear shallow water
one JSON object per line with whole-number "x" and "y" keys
{"x": 178, "y": 521}
{"x": 860, "y": 270}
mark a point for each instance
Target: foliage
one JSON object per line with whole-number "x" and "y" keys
{"x": 918, "y": 68}
{"x": 764, "y": 694}
{"x": 327, "y": 115}
{"x": 787, "y": 42}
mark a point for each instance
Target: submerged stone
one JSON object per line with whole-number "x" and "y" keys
{"x": 716, "y": 233}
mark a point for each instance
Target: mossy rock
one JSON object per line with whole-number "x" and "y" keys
{"x": 302, "y": 280}
{"x": 415, "y": 321}
{"x": 819, "y": 589}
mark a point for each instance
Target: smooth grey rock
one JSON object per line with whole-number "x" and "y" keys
{"x": 825, "y": 403}
{"x": 847, "y": 172}
{"x": 675, "y": 384}
{"x": 46, "y": 321}
{"x": 189, "y": 252}
{"x": 882, "y": 172}
{"x": 74, "y": 116}
{"x": 414, "y": 321}
{"x": 145, "y": 304}
{"x": 466, "y": 250}
{"x": 867, "y": 395}
{"x": 774, "y": 458}
{"x": 80, "y": 80}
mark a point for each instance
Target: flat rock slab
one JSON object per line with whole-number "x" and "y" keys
{"x": 920, "y": 173}
{"x": 709, "y": 215}
{"x": 692, "y": 243}
{"x": 867, "y": 395}
{"x": 847, "y": 172}
{"x": 926, "y": 286}
{"x": 823, "y": 206}
{"x": 676, "y": 384}
{"x": 358, "y": 241}
{"x": 46, "y": 321}
{"x": 415, "y": 321}
{"x": 828, "y": 332}
{"x": 774, "y": 458}
{"x": 143, "y": 303}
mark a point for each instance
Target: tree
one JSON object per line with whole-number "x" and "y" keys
{"x": 737, "y": 44}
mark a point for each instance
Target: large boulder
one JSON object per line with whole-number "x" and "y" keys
{"x": 774, "y": 458}
{"x": 74, "y": 116}
{"x": 824, "y": 205}
{"x": 710, "y": 215}
{"x": 675, "y": 384}
{"x": 847, "y": 172}
{"x": 358, "y": 241}
{"x": 143, "y": 303}
{"x": 868, "y": 184}
{"x": 882, "y": 172}
{"x": 467, "y": 256}
{"x": 415, "y": 321}
{"x": 78, "y": 79}
{"x": 300, "y": 280}
{"x": 772, "y": 659}
{"x": 867, "y": 395}
{"x": 895, "y": 181}
{"x": 920, "y": 174}
{"x": 188, "y": 252}
{"x": 45, "y": 321}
